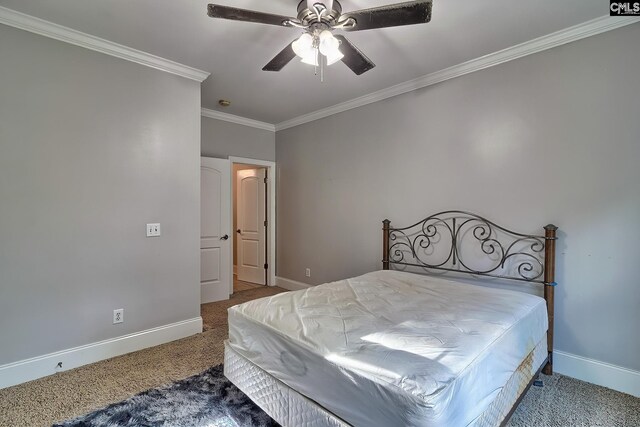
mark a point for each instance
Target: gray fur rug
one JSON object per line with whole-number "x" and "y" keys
{"x": 204, "y": 400}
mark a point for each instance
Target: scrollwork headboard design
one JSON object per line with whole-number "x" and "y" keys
{"x": 442, "y": 242}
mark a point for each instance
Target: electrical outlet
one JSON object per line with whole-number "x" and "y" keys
{"x": 118, "y": 316}
{"x": 153, "y": 230}
{"x": 307, "y": 272}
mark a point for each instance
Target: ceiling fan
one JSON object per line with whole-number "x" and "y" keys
{"x": 318, "y": 19}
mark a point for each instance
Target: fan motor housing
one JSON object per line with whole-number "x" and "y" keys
{"x": 307, "y": 16}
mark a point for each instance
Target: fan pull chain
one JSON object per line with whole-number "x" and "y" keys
{"x": 315, "y": 67}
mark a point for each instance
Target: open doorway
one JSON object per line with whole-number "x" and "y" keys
{"x": 250, "y": 225}
{"x": 253, "y": 231}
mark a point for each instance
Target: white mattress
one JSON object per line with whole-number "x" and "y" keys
{"x": 291, "y": 409}
{"x": 391, "y": 348}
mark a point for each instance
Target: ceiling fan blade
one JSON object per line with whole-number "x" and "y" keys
{"x": 353, "y": 58}
{"x": 235, "y": 14}
{"x": 281, "y": 59}
{"x": 407, "y": 13}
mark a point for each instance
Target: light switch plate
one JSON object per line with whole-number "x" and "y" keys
{"x": 153, "y": 230}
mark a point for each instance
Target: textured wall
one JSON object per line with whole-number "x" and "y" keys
{"x": 91, "y": 149}
{"x": 223, "y": 139}
{"x": 552, "y": 137}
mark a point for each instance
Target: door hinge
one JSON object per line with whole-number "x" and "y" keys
{"x": 265, "y": 180}
{"x": 266, "y": 266}
{"x": 265, "y": 222}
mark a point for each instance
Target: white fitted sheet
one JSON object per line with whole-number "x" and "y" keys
{"x": 391, "y": 348}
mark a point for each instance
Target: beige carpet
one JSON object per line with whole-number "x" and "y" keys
{"x": 239, "y": 285}
{"x": 214, "y": 315}
{"x": 562, "y": 402}
{"x": 72, "y": 393}
{"x": 567, "y": 402}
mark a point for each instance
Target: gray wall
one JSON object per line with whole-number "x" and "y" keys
{"x": 91, "y": 149}
{"x": 223, "y": 139}
{"x": 552, "y": 137}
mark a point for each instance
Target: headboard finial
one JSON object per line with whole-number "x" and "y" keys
{"x": 550, "y": 227}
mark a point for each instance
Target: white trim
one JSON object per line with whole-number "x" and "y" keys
{"x": 568, "y": 35}
{"x": 291, "y": 285}
{"x": 42, "y": 366}
{"x": 68, "y": 35}
{"x": 271, "y": 219}
{"x": 596, "y": 372}
{"x": 219, "y": 115}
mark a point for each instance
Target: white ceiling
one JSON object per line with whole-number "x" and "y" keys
{"x": 235, "y": 52}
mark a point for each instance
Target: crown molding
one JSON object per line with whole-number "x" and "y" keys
{"x": 219, "y": 115}
{"x": 568, "y": 35}
{"x": 58, "y": 32}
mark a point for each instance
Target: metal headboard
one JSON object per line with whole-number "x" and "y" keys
{"x": 506, "y": 253}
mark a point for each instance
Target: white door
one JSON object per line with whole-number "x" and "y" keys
{"x": 215, "y": 226}
{"x": 251, "y": 225}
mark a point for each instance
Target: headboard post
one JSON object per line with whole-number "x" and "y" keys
{"x": 549, "y": 287}
{"x": 386, "y": 225}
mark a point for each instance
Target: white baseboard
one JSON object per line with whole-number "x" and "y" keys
{"x": 571, "y": 365}
{"x": 596, "y": 372}
{"x": 42, "y": 366}
{"x": 291, "y": 285}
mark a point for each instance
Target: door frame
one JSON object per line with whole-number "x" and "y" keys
{"x": 271, "y": 214}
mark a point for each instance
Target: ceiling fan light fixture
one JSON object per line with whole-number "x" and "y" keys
{"x": 311, "y": 57}
{"x": 325, "y": 35}
{"x": 318, "y": 18}
{"x": 330, "y": 47}
{"x": 328, "y": 43}
{"x": 303, "y": 46}
{"x": 334, "y": 57}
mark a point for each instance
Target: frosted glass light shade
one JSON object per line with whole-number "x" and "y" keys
{"x": 311, "y": 57}
{"x": 329, "y": 47}
{"x": 325, "y": 43}
{"x": 324, "y": 35}
{"x": 328, "y": 43}
{"x": 303, "y": 46}
{"x": 334, "y": 57}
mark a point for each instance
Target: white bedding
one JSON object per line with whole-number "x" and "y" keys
{"x": 391, "y": 348}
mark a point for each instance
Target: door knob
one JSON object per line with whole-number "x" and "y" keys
{"x": 238, "y": 231}
{"x": 225, "y": 237}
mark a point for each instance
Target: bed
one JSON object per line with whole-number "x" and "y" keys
{"x": 394, "y": 347}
